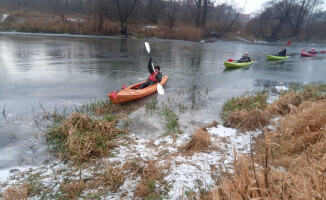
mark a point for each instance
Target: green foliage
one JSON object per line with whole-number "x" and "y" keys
{"x": 151, "y": 105}
{"x": 172, "y": 122}
{"x": 151, "y": 184}
{"x": 242, "y": 102}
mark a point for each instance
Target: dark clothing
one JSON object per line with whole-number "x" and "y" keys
{"x": 245, "y": 59}
{"x": 282, "y": 52}
{"x": 124, "y": 31}
{"x": 313, "y": 52}
{"x": 159, "y": 77}
{"x": 146, "y": 84}
{"x": 153, "y": 78}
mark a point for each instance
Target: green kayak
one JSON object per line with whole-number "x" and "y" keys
{"x": 271, "y": 57}
{"x": 236, "y": 64}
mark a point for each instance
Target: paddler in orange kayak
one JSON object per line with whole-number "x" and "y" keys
{"x": 154, "y": 77}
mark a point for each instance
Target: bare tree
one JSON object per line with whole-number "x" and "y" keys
{"x": 198, "y": 11}
{"x": 125, "y": 8}
{"x": 153, "y": 10}
{"x": 282, "y": 10}
{"x": 203, "y": 21}
{"x": 171, "y": 11}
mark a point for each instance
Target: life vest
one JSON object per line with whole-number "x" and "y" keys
{"x": 152, "y": 77}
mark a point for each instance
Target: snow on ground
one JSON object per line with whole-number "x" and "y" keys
{"x": 78, "y": 20}
{"x": 3, "y": 18}
{"x": 186, "y": 174}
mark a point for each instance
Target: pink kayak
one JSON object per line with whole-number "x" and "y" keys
{"x": 308, "y": 54}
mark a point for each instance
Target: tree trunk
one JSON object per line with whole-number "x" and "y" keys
{"x": 277, "y": 29}
{"x": 203, "y": 22}
{"x": 198, "y": 13}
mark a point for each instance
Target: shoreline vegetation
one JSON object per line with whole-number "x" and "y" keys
{"x": 77, "y": 24}
{"x": 284, "y": 157}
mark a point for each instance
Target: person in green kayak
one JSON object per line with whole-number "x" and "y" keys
{"x": 282, "y": 52}
{"x": 245, "y": 58}
{"x": 154, "y": 77}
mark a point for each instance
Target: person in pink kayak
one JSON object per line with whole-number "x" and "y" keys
{"x": 313, "y": 51}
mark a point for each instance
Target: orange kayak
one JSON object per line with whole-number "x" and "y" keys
{"x": 132, "y": 92}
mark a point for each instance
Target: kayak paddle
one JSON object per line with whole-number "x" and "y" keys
{"x": 323, "y": 52}
{"x": 160, "y": 89}
{"x": 289, "y": 42}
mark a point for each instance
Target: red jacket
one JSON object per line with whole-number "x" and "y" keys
{"x": 152, "y": 77}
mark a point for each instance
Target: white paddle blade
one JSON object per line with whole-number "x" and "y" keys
{"x": 160, "y": 89}
{"x": 148, "y": 48}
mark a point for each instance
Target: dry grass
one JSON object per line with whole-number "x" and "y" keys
{"x": 81, "y": 138}
{"x": 113, "y": 177}
{"x": 213, "y": 124}
{"x": 298, "y": 145}
{"x": 187, "y": 33}
{"x": 288, "y": 102}
{"x": 73, "y": 189}
{"x": 248, "y": 120}
{"x": 16, "y": 193}
{"x": 245, "y": 102}
{"x": 152, "y": 181}
{"x": 247, "y": 183}
{"x": 200, "y": 142}
{"x": 302, "y": 137}
{"x": 33, "y": 21}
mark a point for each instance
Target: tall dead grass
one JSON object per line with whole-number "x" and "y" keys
{"x": 187, "y": 33}
{"x": 248, "y": 120}
{"x": 81, "y": 138}
{"x": 201, "y": 141}
{"x": 290, "y": 162}
{"x": 72, "y": 189}
{"x": 248, "y": 183}
{"x": 16, "y": 193}
{"x": 33, "y": 21}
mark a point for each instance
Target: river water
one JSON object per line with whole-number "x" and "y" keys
{"x": 40, "y": 71}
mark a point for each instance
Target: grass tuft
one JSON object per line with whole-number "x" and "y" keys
{"x": 200, "y": 142}
{"x": 244, "y": 102}
{"x": 172, "y": 121}
{"x": 14, "y": 192}
{"x": 81, "y": 138}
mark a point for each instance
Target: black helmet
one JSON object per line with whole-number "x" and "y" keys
{"x": 158, "y": 67}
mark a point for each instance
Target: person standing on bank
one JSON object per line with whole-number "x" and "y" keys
{"x": 154, "y": 77}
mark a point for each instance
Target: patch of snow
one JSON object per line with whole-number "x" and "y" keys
{"x": 241, "y": 141}
{"x": 3, "y": 18}
{"x": 271, "y": 99}
{"x": 79, "y": 20}
{"x": 281, "y": 88}
{"x": 7, "y": 172}
{"x": 149, "y": 27}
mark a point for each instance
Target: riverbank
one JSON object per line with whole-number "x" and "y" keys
{"x": 37, "y": 22}
{"x": 274, "y": 150}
